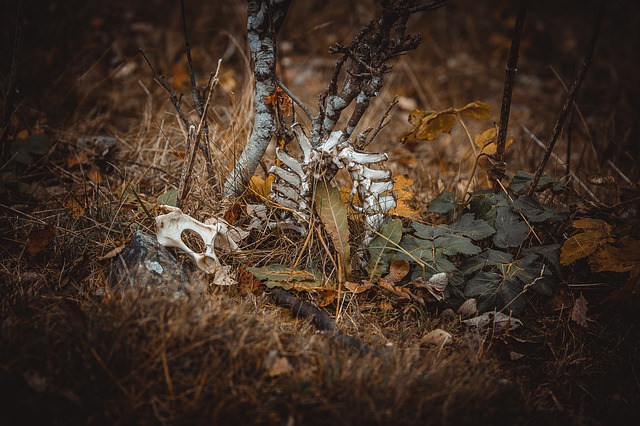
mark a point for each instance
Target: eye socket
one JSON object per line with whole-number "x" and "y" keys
{"x": 193, "y": 240}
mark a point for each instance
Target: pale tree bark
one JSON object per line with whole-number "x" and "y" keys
{"x": 265, "y": 18}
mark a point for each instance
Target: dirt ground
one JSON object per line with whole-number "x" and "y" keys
{"x": 99, "y": 141}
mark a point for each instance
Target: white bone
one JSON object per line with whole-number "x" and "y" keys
{"x": 216, "y": 233}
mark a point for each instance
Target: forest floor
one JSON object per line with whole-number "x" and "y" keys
{"x": 95, "y": 146}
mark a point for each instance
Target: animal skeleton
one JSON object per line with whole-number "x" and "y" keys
{"x": 292, "y": 189}
{"x": 373, "y": 185}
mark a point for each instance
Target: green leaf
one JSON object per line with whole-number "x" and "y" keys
{"x": 333, "y": 213}
{"x": 453, "y": 244}
{"x": 485, "y": 205}
{"x": 522, "y": 180}
{"x": 383, "y": 247}
{"x": 287, "y": 278}
{"x": 443, "y": 203}
{"x": 536, "y": 212}
{"x": 487, "y": 258}
{"x": 551, "y": 255}
{"x": 427, "y": 232}
{"x": 493, "y": 292}
{"x": 427, "y": 252}
{"x": 476, "y": 229}
{"x": 169, "y": 197}
{"x": 511, "y": 231}
{"x": 27, "y": 151}
{"x": 529, "y": 270}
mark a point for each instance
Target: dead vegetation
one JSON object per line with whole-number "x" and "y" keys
{"x": 77, "y": 350}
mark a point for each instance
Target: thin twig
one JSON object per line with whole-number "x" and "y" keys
{"x": 187, "y": 48}
{"x": 509, "y": 82}
{"x": 193, "y": 139}
{"x": 284, "y": 88}
{"x": 11, "y": 90}
{"x": 382, "y": 124}
{"x": 172, "y": 96}
{"x": 555, "y": 156}
{"x": 573, "y": 93}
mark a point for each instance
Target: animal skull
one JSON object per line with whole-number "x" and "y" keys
{"x": 216, "y": 234}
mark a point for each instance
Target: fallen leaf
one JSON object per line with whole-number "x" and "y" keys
{"x": 326, "y": 297}
{"x": 112, "y": 253}
{"x": 497, "y": 320}
{"x": 435, "y": 285}
{"x": 232, "y": 213}
{"x": 596, "y": 233}
{"x": 402, "y": 190}
{"x": 276, "y": 364}
{"x": 514, "y": 356}
{"x": 437, "y": 337}
{"x": 39, "y": 239}
{"x": 247, "y": 282}
{"x": 468, "y": 309}
{"x": 402, "y": 292}
{"x": 397, "y": 271}
{"x": 358, "y": 288}
{"x": 260, "y": 186}
{"x": 333, "y": 213}
{"x": 579, "y": 312}
{"x": 622, "y": 257}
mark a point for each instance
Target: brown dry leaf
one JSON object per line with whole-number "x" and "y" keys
{"x": 280, "y": 100}
{"x": 402, "y": 189}
{"x": 468, "y": 309}
{"x": 437, "y": 337}
{"x": 398, "y": 291}
{"x": 77, "y": 211}
{"x": 358, "y": 288}
{"x": 94, "y": 175}
{"x": 561, "y": 300}
{"x": 260, "y": 186}
{"x": 77, "y": 159}
{"x": 345, "y": 194}
{"x": 247, "y": 282}
{"x": 39, "y": 239}
{"x": 579, "y": 312}
{"x": 232, "y": 213}
{"x": 397, "y": 271}
{"x": 602, "y": 180}
{"x": 596, "y": 233}
{"x": 430, "y": 124}
{"x": 276, "y": 364}
{"x": 622, "y": 257}
{"x": 487, "y": 141}
{"x": 112, "y": 253}
{"x": 385, "y": 306}
{"x": 476, "y": 109}
{"x": 326, "y": 297}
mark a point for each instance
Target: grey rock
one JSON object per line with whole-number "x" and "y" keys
{"x": 145, "y": 264}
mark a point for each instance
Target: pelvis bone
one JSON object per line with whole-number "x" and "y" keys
{"x": 215, "y": 233}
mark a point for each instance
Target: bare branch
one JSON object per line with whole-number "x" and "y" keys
{"x": 497, "y": 172}
{"x": 571, "y": 97}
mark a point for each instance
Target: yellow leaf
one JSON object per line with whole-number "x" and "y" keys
{"x": 435, "y": 124}
{"x": 487, "y": 141}
{"x": 402, "y": 189}
{"x": 597, "y": 232}
{"x": 476, "y": 109}
{"x": 333, "y": 214}
{"x": 260, "y": 186}
{"x": 621, "y": 258}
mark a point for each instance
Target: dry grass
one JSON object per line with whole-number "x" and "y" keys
{"x": 77, "y": 351}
